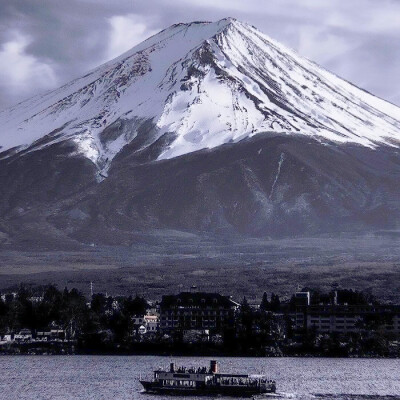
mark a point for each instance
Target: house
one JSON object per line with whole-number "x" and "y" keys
{"x": 43, "y": 336}
{"x": 36, "y": 299}
{"x": 53, "y": 334}
{"x": 152, "y": 323}
{"x": 8, "y": 338}
{"x": 57, "y": 334}
{"x": 138, "y": 320}
{"x": 146, "y": 324}
{"x": 197, "y": 311}
{"x": 142, "y": 330}
{"x": 24, "y": 335}
{"x": 7, "y": 296}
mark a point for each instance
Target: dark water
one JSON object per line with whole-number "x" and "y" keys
{"x": 97, "y": 377}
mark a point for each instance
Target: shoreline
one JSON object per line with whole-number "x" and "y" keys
{"x": 71, "y": 351}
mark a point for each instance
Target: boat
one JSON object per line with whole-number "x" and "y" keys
{"x": 206, "y": 381}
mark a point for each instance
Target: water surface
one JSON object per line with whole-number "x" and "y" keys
{"x": 116, "y": 377}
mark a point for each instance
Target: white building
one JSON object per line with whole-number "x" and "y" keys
{"x": 146, "y": 324}
{"x": 24, "y": 335}
{"x": 7, "y": 339}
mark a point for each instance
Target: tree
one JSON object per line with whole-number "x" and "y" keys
{"x": 134, "y": 306}
{"x": 265, "y": 305}
{"x": 275, "y": 303}
{"x": 244, "y": 305}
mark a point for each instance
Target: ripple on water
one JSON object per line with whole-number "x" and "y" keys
{"x": 116, "y": 377}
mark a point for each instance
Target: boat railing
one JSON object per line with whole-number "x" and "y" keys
{"x": 185, "y": 370}
{"x": 250, "y": 382}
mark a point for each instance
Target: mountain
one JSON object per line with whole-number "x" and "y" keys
{"x": 204, "y": 126}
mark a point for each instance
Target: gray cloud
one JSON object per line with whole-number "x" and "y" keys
{"x": 44, "y": 44}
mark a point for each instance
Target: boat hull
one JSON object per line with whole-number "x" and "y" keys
{"x": 231, "y": 391}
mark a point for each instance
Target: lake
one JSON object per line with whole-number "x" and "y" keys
{"x": 116, "y": 377}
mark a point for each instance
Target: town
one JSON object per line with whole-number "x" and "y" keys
{"x": 342, "y": 322}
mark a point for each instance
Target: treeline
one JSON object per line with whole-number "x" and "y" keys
{"x": 105, "y": 324}
{"x": 43, "y": 307}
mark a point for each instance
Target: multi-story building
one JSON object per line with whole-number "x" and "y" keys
{"x": 343, "y": 318}
{"x": 197, "y": 310}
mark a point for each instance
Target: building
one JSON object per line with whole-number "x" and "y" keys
{"x": 24, "y": 335}
{"x": 302, "y": 302}
{"x": 8, "y": 338}
{"x": 36, "y": 299}
{"x": 58, "y": 334}
{"x": 53, "y": 334}
{"x": 8, "y": 296}
{"x": 343, "y": 318}
{"x": 152, "y": 323}
{"x": 142, "y": 330}
{"x": 143, "y": 324}
{"x": 138, "y": 320}
{"x": 197, "y": 311}
{"x": 43, "y": 336}
{"x": 303, "y": 298}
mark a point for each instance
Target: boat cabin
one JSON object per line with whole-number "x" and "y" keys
{"x": 192, "y": 377}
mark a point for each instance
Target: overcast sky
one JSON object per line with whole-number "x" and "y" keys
{"x": 45, "y": 43}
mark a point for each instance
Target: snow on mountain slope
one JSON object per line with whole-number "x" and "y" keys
{"x": 205, "y": 84}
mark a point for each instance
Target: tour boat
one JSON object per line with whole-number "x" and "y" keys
{"x": 206, "y": 381}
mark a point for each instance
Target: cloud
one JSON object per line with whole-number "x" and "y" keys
{"x": 52, "y": 42}
{"x": 330, "y": 47}
{"x": 22, "y": 72}
{"x": 126, "y": 32}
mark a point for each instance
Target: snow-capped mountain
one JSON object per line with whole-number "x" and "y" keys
{"x": 210, "y": 127}
{"x": 198, "y": 85}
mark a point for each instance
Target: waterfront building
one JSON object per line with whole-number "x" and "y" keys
{"x": 197, "y": 311}
{"x": 143, "y": 324}
{"x": 8, "y": 338}
{"x": 24, "y": 335}
{"x": 343, "y": 318}
{"x": 152, "y": 323}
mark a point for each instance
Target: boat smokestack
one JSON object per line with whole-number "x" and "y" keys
{"x": 172, "y": 367}
{"x": 214, "y": 367}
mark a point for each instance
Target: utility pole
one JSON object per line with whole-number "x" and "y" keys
{"x": 91, "y": 289}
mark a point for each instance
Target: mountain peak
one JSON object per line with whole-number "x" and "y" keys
{"x": 193, "y": 86}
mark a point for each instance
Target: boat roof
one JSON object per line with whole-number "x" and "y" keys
{"x": 181, "y": 374}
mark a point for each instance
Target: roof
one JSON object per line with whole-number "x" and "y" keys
{"x": 329, "y": 309}
{"x": 25, "y": 331}
{"x": 198, "y": 299}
